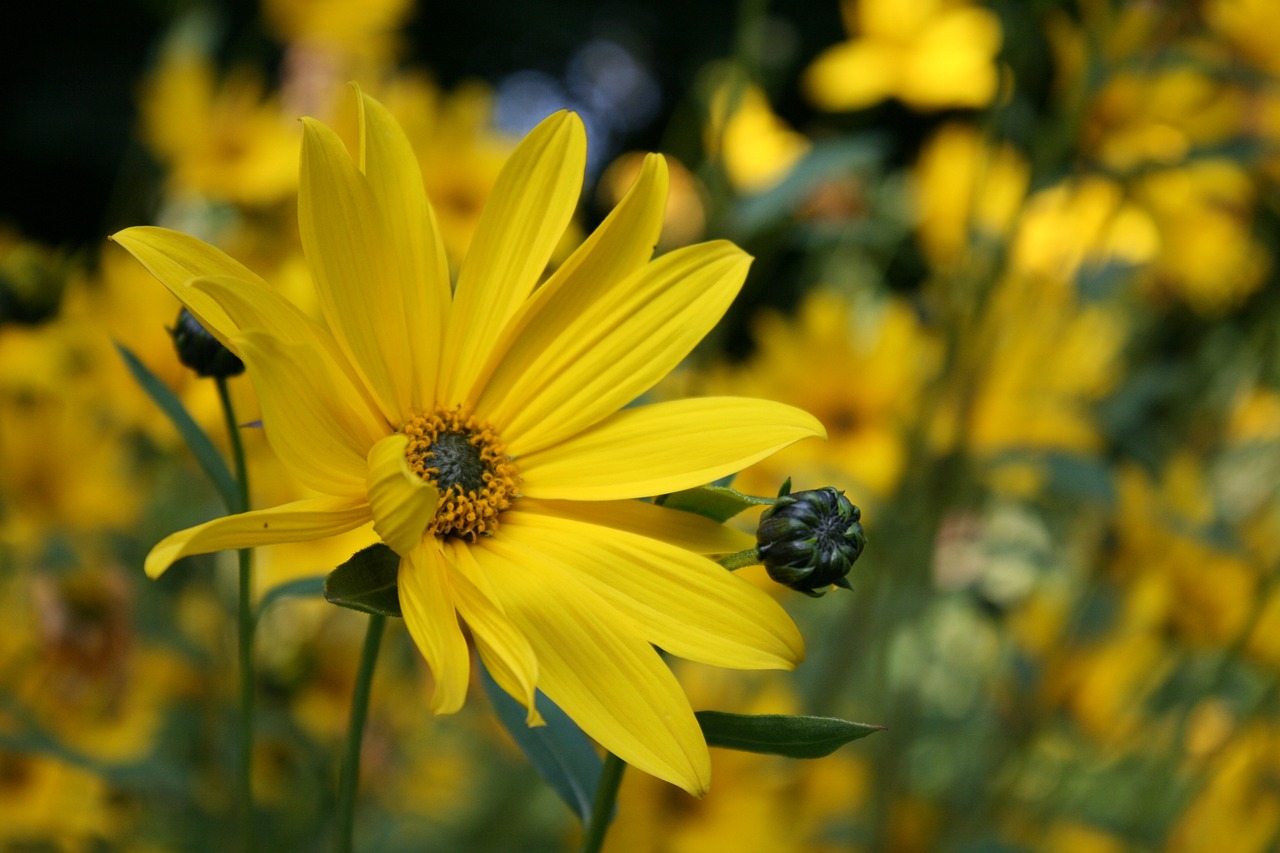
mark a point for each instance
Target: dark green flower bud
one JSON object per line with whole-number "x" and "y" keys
{"x": 201, "y": 351}
{"x": 810, "y": 540}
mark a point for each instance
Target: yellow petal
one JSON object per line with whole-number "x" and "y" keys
{"x": 503, "y": 648}
{"x": 665, "y": 447}
{"x": 255, "y": 307}
{"x": 427, "y": 602}
{"x": 402, "y": 502}
{"x": 300, "y": 521}
{"x": 593, "y": 664}
{"x": 524, "y": 218}
{"x": 175, "y": 259}
{"x": 622, "y": 244}
{"x": 686, "y": 530}
{"x": 314, "y": 419}
{"x": 583, "y": 363}
{"x": 852, "y": 75}
{"x": 684, "y": 603}
{"x": 389, "y": 164}
{"x": 351, "y": 259}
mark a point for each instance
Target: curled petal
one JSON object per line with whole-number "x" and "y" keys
{"x": 402, "y": 502}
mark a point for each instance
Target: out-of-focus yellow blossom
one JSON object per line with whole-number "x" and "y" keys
{"x": 1042, "y": 361}
{"x": 965, "y": 190}
{"x": 1203, "y": 593}
{"x": 1081, "y": 225}
{"x": 338, "y": 28}
{"x": 44, "y": 801}
{"x": 1209, "y": 258}
{"x": 219, "y": 139}
{"x": 930, "y": 54}
{"x": 1239, "y": 804}
{"x": 859, "y": 367}
{"x": 32, "y": 277}
{"x": 758, "y": 149}
{"x": 1105, "y": 685}
{"x": 1250, "y": 26}
{"x": 1141, "y": 118}
{"x": 43, "y": 411}
{"x": 685, "y": 218}
{"x": 1074, "y": 837}
{"x": 762, "y": 804}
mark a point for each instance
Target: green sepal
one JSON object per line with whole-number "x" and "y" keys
{"x": 201, "y": 446}
{"x": 718, "y": 503}
{"x": 781, "y": 734}
{"x": 367, "y": 582}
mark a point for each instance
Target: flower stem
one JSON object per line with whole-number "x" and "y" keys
{"x": 602, "y": 807}
{"x": 349, "y": 775}
{"x": 740, "y": 560}
{"x": 245, "y": 625}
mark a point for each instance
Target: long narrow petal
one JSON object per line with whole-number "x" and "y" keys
{"x": 665, "y": 447}
{"x": 389, "y": 164}
{"x": 300, "y": 521}
{"x": 175, "y": 258}
{"x": 314, "y": 419}
{"x": 622, "y": 244}
{"x": 685, "y": 603}
{"x": 594, "y": 665}
{"x": 503, "y": 647}
{"x": 686, "y": 530}
{"x": 524, "y": 218}
{"x": 354, "y": 267}
{"x": 255, "y": 307}
{"x": 427, "y": 602}
{"x": 575, "y": 368}
{"x": 402, "y": 502}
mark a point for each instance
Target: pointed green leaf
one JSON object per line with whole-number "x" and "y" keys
{"x": 367, "y": 582}
{"x": 559, "y": 751}
{"x": 781, "y": 734}
{"x": 215, "y": 468}
{"x": 718, "y": 503}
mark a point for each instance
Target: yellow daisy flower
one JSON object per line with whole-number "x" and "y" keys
{"x": 481, "y": 428}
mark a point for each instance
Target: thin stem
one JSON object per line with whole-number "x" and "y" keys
{"x": 602, "y": 807}
{"x": 349, "y": 776}
{"x": 245, "y": 626}
{"x": 740, "y": 560}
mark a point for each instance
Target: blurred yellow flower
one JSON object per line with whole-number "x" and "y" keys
{"x": 966, "y": 191}
{"x": 859, "y": 367}
{"x": 930, "y": 54}
{"x": 223, "y": 140}
{"x": 757, "y": 147}
{"x": 479, "y": 429}
{"x": 1240, "y": 800}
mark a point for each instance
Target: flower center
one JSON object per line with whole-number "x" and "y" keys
{"x": 463, "y": 458}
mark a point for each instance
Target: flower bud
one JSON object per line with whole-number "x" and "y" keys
{"x": 809, "y": 540}
{"x": 201, "y": 351}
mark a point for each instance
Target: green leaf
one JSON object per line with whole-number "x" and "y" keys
{"x": 781, "y": 734}
{"x": 559, "y": 751}
{"x": 366, "y": 582}
{"x": 215, "y": 468}
{"x": 719, "y": 503}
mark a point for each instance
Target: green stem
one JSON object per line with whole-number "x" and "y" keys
{"x": 602, "y": 807}
{"x": 740, "y": 560}
{"x": 245, "y": 626}
{"x": 349, "y": 776}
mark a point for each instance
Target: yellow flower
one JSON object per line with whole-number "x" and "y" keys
{"x": 930, "y": 54}
{"x": 758, "y": 148}
{"x": 481, "y": 429}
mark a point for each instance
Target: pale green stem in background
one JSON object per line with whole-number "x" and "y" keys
{"x": 349, "y": 775}
{"x": 245, "y": 625}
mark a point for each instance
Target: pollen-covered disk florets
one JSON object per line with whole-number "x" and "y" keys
{"x": 463, "y": 457}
